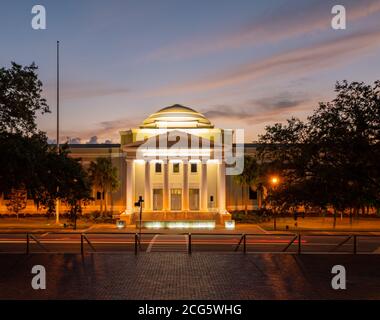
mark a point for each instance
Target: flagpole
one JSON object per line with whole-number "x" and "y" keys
{"x": 57, "y": 200}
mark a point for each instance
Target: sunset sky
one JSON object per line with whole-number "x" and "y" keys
{"x": 243, "y": 64}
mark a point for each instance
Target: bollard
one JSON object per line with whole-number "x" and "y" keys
{"x": 189, "y": 243}
{"x": 299, "y": 243}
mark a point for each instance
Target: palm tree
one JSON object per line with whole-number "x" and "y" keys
{"x": 247, "y": 178}
{"x": 104, "y": 177}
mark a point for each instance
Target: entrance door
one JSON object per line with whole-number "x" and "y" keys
{"x": 157, "y": 199}
{"x": 194, "y": 199}
{"x": 175, "y": 199}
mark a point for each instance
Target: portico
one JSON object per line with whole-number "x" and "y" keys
{"x": 176, "y": 185}
{"x": 175, "y": 169}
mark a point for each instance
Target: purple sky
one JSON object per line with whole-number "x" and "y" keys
{"x": 244, "y": 64}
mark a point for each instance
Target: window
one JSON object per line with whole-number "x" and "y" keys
{"x": 194, "y": 199}
{"x": 175, "y": 199}
{"x": 157, "y": 199}
{"x": 194, "y": 168}
{"x": 158, "y": 167}
{"x": 176, "y": 167}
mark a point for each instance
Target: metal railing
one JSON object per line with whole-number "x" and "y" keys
{"x": 243, "y": 240}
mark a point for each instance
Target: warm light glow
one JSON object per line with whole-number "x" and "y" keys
{"x": 175, "y": 152}
{"x": 156, "y": 161}
{"x": 120, "y": 224}
{"x": 179, "y": 224}
{"x": 213, "y": 161}
{"x": 274, "y": 180}
{"x": 229, "y": 224}
{"x": 175, "y": 161}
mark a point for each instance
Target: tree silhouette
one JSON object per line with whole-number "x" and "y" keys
{"x": 248, "y": 178}
{"x": 331, "y": 160}
{"x": 104, "y": 177}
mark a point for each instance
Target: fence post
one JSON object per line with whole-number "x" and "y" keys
{"x": 299, "y": 243}
{"x": 244, "y": 243}
{"x": 355, "y": 244}
{"x": 136, "y": 235}
{"x": 81, "y": 244}
{"x": 27, "y": 243}
{"x": 189, "y": 243}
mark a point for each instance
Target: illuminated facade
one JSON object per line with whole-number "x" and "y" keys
{"x": 175, "y": 160}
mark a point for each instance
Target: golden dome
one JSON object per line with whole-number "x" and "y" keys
{"x": 176, "y": 116}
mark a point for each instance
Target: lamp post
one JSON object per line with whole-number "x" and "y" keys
{"x": 139, "y": 204}
{"x": 274, "y": 181}
{"x": 57, "y": 200}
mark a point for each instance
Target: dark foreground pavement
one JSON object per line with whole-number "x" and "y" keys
{"x": 180, "y": 276}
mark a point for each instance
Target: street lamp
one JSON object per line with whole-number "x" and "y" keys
{"x": 274, "y": 181}
{"x": 139, "y": 204}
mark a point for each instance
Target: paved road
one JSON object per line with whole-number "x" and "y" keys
{"x": 70, "y": 243}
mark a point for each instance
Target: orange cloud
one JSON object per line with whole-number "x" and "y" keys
{"x": 297, "y": 61}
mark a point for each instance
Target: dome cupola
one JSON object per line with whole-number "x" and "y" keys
{"x": 176, "y": 116}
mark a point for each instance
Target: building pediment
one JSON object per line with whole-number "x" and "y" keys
{"x": 173, "y": 144}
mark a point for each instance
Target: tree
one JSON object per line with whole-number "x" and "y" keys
{"x": 27, "y": 161}
{"x": 104, "y": 177}
{"x": 20, "y": 99}
{"x": 76, "y": 189}
{"x": 247, "y": 178}
{"x": 21, "y": 158}
{"x": 17, "y": 200}
{"x": 331, "y": 159}
{"x": 22, "y": 146}
{"x": 66, "y": 173}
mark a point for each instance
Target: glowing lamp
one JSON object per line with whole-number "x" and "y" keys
{"x": 229, "y": 224}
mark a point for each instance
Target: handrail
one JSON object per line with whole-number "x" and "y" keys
{"x": 238, "y": 245}
{"x": 243, "y": 238}
{"x": 31, "y": 236}
{"x": 341, "y": 243}
{"x": 308, "y": 233}
{"x": 290, "y": 243}
{"x": 83, "y": 236}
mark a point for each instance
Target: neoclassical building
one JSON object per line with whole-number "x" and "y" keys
{"x": 178, "y": 162}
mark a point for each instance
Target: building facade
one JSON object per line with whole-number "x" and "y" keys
{"x": 176, "y": 161}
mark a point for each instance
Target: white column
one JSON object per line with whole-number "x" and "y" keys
{"x": 166, "y": 186}
{"x": 204, "y": 193}
{"x": 221, "y": 187}
{"x": 129, "y": 186}
{"x": 147, "y": 188}
{"x": 185, "y": 187}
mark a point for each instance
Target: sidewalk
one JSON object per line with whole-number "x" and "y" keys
{"x": 42, "y": 224}
{"x": 38, "y": 224}
{"x": 197, "y": 277}
{"x": 304, "y": 224}
{"x": 324, "y": 224}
